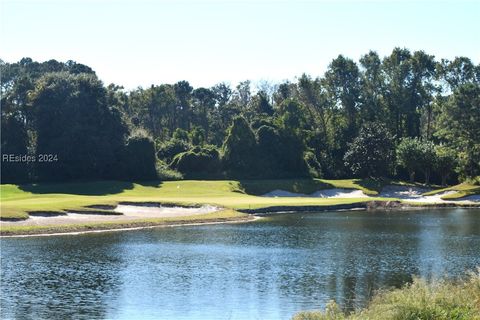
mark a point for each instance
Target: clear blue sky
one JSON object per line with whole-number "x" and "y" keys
{"x": 137, "y": 43}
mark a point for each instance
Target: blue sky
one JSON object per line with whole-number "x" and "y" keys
{"x": 138, "y": 43}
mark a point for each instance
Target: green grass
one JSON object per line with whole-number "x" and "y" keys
{"x": 462, "y": 190}
{"x": 421, "y": 300}
{"x": 368, "y": 186}
{"x": 17, "y": 201}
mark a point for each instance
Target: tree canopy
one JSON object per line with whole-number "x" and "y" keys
{"x": 394, "y": 116}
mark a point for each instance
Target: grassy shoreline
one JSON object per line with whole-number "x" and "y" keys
{"x": 222, "y": 216}
{"x": 235, "y": 197}
{"x": 439, "y": 299}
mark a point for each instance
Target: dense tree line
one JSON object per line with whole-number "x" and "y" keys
{"x": 406, "y": 115}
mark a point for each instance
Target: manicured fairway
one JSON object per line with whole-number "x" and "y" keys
{"x": 17, "y": 201}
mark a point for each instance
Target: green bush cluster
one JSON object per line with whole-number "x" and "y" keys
{"x": 139, "y": 160}
{"x": 198, "y": 160}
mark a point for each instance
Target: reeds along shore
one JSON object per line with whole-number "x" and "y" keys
{"x": 421, "y": 300}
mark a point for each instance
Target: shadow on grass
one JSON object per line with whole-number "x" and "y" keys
{"x": 153, "y": 183}
{"x": 95, "y": 188}
{"x": 306, "y": 186}
{"x": 373, "y": 184}
{"x": 87, "y": 188}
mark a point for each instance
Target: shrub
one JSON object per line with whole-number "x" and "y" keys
{"x": 180, "y": 134}
{"x": 168, "y": 150}
{"x": 281, "y": 154}
{"x": 291, "y": 158}
{"x": 139, "y": 159}
{"x": 475, "y": 181}
{"x": 314, "y": 167}
{"x": 239, "y": 148}
{"x": 198, "y": 160}
{"x": 269, "y": 150}
{"x": 164, "y": 172}
{"x": 196, "y": 136}
{"x": 270, "y": 153}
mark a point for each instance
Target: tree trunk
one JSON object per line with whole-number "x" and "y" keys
{"x": 427, "y": 177}
{"x": 429, "y": 120}
{"x": 444, "y": 179}
{"x": 412, "y": 176}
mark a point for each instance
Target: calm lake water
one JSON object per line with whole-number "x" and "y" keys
{"x": 268, "y": 269}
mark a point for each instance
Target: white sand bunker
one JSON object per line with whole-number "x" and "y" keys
{"x": 436, "y": 198}
{"x": 283, "y": 193}
{"x": 162, "y": 211}
{"x": 124, "y": 213}
{"x": 339, "y": 193}
{"x": 403, "y": 192}
{"x": 407, "y": 193}
{"x": 414, "y": 194}
{"x": 327, "y": 193}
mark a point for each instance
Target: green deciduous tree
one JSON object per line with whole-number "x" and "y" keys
{"x": 458, "y": 72}
{"x": 372, "y": 88}
{"x": 427, "y": 159}
{"x": 183, "y": 92}
{"x": 139, "y": 160}
{"x": 203, "y": 106}
{"x": 445, "y": 162}
{"x": 409, "y": 156}
{"x": 371, "y": 152}
{"x": 458, "y": 127}
{"x": 408, "y": 89}
{"x": 239, "y": 148}
{"x": 288, "y": 129}
{"x": 342, "y": 82}
{"x": 14, "y": 142}
{"x": 261, "y": 104}
{"x": 414, "y": 155}
{"x": 74, "y": 123}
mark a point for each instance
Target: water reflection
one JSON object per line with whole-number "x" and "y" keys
{"x": 269, "y": 269}
{"x": 59, "y": 278}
